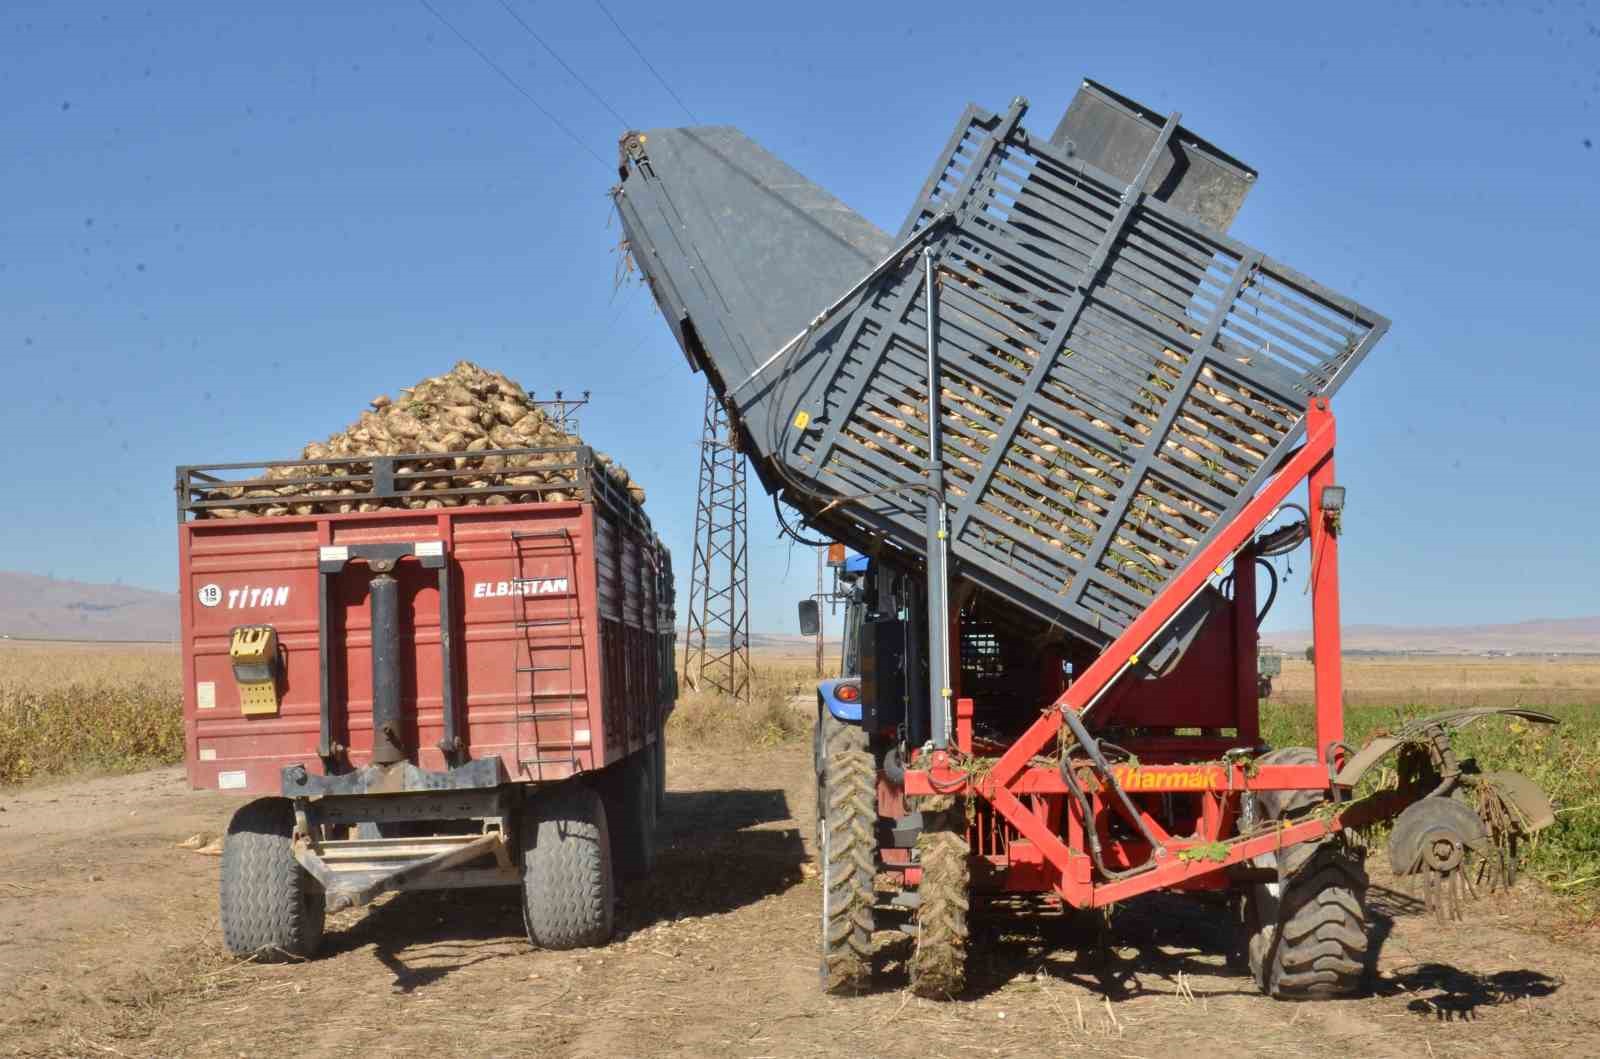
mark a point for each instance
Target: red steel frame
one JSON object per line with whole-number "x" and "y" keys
{"x": 1033, "y": 799}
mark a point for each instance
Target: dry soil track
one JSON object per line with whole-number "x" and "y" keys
{"x": 108, "y": 946}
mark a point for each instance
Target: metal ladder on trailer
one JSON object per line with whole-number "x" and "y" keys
{"x": 534, "y": 707}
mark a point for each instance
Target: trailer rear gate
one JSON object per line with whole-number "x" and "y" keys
{"x": 558, "y": 654}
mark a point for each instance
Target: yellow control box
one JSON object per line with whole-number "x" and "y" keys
{"x": 254, "y": 652}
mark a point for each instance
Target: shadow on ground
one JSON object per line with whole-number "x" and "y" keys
{"x": 1456, "y": 995}
{"x": 712, "y": 856}
{"x": 1169, "y": 944}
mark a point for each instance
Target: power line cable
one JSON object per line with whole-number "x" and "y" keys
{"x": 491, "y": 64}
{"x": 543, "y": 44}
{"x": 624, "y": 35}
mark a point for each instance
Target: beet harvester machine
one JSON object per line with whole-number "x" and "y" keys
{"x": 1067, "y": 420}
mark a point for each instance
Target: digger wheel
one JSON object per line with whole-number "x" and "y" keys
{"x": 847, "y": 812}
{"x": 1306, "y": 938}
{"x": 939, "y": 963}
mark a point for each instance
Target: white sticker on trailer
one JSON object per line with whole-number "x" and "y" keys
{"x": 527, "y": 586}
{"x": 581, "y": 735}
{"x": 209, "y": 595}
{"x": 205, "y": 694}
{"x": 208, "y": 753}
{"x": 231, "y": 781}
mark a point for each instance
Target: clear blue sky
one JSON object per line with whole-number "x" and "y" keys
{"x": 223, "y": 231}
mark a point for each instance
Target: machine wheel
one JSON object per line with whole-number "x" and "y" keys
{"x": 847, "y": 816}
{"x": 830, "y": 734}
{"x": 638, "y": 828}
{"x": 1306, "y": 938}
{"x": 271, "y": 907}
{"x": 567, "y": 886}
{"x": 939, "y": 963}
{"x": 659, "y": 760}
{"x": 628, "y": 790}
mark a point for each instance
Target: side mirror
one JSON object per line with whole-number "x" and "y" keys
{"x": 810, "y": 617}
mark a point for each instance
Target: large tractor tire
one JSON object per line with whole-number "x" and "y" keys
{"x": 847, "y": 816}
{"x": 1306, "y": 937}
{"x": 271, "y": 907}
{"x": 567, "y": 885}
{"x": 629, "y": 791}
{"x": 659, "y": 763}
{"x": 939, "y": 962}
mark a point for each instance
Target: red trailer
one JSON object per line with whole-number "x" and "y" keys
{"x": 465, "y": 694}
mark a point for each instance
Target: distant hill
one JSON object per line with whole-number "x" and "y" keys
{"x": 46, "y": 608}
{"x": 1540, "y": 636}
{"x": 34, "y": 607}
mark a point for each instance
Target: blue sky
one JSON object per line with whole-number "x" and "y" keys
{"x": 223, "y": 231}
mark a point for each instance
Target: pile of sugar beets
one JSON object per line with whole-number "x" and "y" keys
{"x": 465, "y": 411}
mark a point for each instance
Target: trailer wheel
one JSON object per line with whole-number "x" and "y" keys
{"x": 847, "y": 817}
{"x": 1306, "y": 938}
{"x": 939, "y": 963}
{"x": 637, "y": 827}
{"x": 567, "y": 885}
{"x": 271, "y": 908}
{"x": 659, "y": 760}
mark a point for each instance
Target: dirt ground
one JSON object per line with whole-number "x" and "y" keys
{"x": 109, "y": 946}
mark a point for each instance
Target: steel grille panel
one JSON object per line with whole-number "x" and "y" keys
{"x": 1116, "y": 378}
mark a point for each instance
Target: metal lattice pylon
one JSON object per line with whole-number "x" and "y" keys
{"x": 716, "y": 654}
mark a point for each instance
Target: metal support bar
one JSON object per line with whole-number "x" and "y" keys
{"x": 354, "y": 897}
{"x": 937, "y": 542}
{"x": 325, "y": 748}
{"x": 450, "y": 744}
{"x": 1325, "y": 651}
{"x": 388, "y": 743}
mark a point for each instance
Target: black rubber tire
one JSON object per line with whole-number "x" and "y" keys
{"x": 628, "y": 790}
{"x": 636, "y": 854}
{"x": 847, "y": 852}
{"x": 1308, "y": 942}
{"x": 938, "y": 965}
{"x": 271, "y": 908}
{"x": 659, "y": 761}
{"x": 567, "y": 885}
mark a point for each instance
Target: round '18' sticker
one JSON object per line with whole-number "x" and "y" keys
{"x": 210, "y": 595}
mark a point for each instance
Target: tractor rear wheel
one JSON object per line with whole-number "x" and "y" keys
{"x": 271, "y": 908}
{"x": 567, "y": 884}
{"x": 1306, "y": 937}
{"x": 847, "y": 817}
{"x": 939, "y": 964}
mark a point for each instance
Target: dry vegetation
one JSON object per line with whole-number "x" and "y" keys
{"x": 768, "y": 719}
{"x": 88, "y": 709}
{"x": 100, "y": 709}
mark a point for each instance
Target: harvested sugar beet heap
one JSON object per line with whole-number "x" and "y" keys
{"x": 441, "y": 425}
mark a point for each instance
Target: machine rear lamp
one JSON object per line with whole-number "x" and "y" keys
{"x": 1333, "y": 498}
{"x": 254, "y": 653}
{"x": 847, "y": 692}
